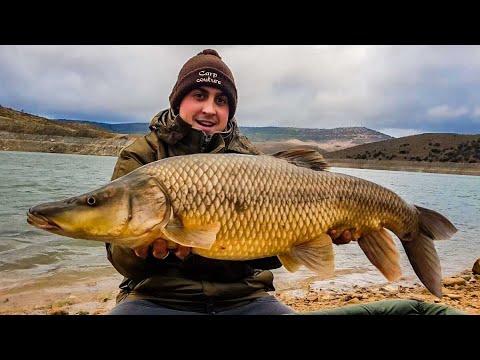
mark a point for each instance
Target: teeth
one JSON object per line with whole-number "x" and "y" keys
{"x": 204, "y": 123}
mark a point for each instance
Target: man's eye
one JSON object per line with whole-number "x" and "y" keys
{"x": 221, "y": 100}
{"x": 199, "y": 95}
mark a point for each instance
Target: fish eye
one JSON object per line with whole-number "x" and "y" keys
{"x": 91, "y": 201}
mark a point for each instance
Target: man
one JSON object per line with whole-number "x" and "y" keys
{"x": 162, "y": 281}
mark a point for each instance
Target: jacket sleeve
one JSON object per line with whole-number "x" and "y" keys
{"x": 133, "y": 156}
{"x": 122, "y": 258}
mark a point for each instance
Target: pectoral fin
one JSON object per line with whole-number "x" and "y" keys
{"x": 198, "y": 236}
{"x": 317, "y": 255}
{"x": 382, "y": 253}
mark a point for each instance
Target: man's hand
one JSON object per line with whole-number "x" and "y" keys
{"x": 159, "y": 249}
{"x": 344, "y": 237}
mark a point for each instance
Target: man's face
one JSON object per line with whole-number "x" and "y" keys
{"x": 205, "y": 108}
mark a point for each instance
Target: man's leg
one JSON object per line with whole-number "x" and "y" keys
{"x": 265, "y": 305}
{"x": 144, "y": 307}
{"x": 390, "y": 307}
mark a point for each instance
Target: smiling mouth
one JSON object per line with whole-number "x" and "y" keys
{"x": 205, "y": 123}
{"x": 41, "y": 222}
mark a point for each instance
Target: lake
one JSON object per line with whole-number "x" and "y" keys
{"x": 30, "y": 255}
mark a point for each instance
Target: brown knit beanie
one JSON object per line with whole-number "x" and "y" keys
{"x": 205, "y": 69}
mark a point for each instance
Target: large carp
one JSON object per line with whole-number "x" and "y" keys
{"x": 238, "y": 207}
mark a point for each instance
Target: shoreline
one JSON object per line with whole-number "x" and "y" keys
{"x": 95, "y": 295}
{"x": 451, "y": 168}
{"x": 408, "y": 166}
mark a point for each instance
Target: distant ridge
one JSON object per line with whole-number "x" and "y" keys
{"x": 272, "y": 133}
{"x": 126, "y": 128}
{"x": 358, "y": 135}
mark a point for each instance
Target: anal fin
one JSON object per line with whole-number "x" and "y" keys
{"x": 380, "y": 249}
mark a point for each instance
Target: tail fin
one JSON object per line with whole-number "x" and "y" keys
{"x": 435, "y": 225}
{"x": 421, "y": 251}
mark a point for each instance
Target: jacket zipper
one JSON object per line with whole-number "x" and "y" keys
{"x": 206, "y": 140}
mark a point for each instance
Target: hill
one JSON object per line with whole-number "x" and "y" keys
{"x": 19, "y": 122}
{"x": 20, "y": 131}
{"x": 427, "y": 147}
{"x": 355, "y": 135}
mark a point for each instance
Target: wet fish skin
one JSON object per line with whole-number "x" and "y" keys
{"x": 239, "y": 207}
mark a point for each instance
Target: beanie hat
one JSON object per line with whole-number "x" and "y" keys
{"x": 205, "y": 69}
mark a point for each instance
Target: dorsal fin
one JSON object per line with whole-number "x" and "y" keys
{"x": 307, "y": 158}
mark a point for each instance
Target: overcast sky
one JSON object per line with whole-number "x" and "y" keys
{"x": 398, "y": 90}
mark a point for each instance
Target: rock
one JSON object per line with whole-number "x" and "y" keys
{"x": 453, "y": 296}
{"x": 454, "y": 281}
{"x": 420, "y": 297}
{"x": 389, "y": 288}
{"x": 345, "y": 298}
{"x": 81, "y": 312}
{"x": 353, "y": 301}
{"x": 57, "y": 312}
{"x": 476, "y": 267}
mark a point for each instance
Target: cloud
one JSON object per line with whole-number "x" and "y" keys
{"x": 445, "y": 111}
{"x": 419, "y": 88}
{"x": 397, "y": 133}
{"x": 476, "y": 112}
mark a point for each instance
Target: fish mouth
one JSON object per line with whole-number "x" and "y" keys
{"x": 41, "y": 222}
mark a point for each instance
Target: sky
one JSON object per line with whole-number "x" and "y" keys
{"x": 398, "y": 90}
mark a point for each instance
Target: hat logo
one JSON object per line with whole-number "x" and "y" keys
{"x": 208, "y": 76}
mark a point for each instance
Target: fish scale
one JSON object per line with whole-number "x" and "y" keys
{"x": 269, "y": 205}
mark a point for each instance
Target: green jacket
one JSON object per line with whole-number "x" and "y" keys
{"x": 196, "y": 283}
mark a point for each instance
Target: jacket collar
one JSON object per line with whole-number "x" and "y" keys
{"x": 173, "y": 130}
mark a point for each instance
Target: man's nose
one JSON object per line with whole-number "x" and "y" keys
{"x": 209, "y": 106}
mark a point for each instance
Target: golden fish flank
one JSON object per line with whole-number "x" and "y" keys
{"x": 232, "y": 206}
{"x": 265, "y": 208}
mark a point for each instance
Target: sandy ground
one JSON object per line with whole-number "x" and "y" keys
{"x": 87, "y": 296}
{"x": 460, "y": 292}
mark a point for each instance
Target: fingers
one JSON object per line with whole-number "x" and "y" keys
{"x": 182, "y": 251}
{"x": 142, "y": 252}
{"x": 356, "y": 234}
{"x": 344, "y": 238}
{"x": 347, "y": 236}
{"x": 160, "y": 248}
{"x": 341, "y": 238}
{"x": 334, "y": 234}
